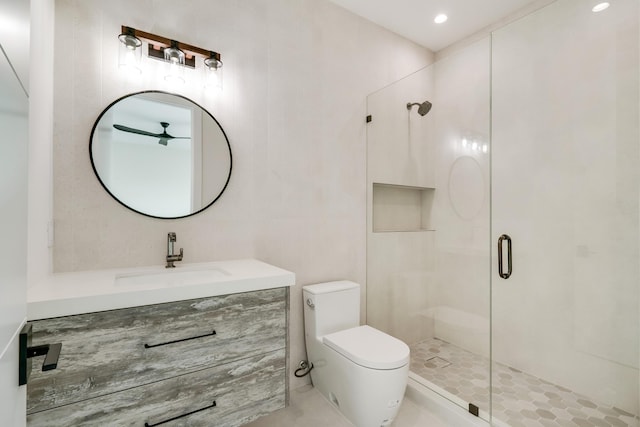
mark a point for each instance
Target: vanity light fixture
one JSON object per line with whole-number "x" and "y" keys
{"x": 178, "y": 56}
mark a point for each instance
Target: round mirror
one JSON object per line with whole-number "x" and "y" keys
{"x": 161, "y": 155}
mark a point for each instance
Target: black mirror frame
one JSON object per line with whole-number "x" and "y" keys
{"x": 95, "y": 171}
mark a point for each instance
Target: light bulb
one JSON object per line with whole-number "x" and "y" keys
{"x": 600, "y": 7}
{"x": 441, "y": 18}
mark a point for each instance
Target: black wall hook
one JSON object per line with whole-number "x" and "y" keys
{"x": 50, "y": 351}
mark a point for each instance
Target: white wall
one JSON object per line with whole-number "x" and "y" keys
{"x": 40, "y": 142}
{"x": 145, "y": 178}
{"x": 293, "y": 106}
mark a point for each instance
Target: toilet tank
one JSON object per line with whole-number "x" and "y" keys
{"x": 330, "y": 307}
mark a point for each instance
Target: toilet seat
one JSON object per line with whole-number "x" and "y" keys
{"x": 369, "y": 347}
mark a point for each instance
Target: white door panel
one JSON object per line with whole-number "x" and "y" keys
{"x": 14, "y": 135}
{"x": 13, "y": 203}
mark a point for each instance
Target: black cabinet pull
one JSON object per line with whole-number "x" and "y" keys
{"x": 51, "y": 353}
{"x": 181, "y": 416}
{"x": 176, "y": 341}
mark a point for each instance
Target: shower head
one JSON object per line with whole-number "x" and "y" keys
{"x": 423, "y": 108}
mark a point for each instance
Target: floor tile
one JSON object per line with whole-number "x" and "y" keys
{"x": 308, "y": 408}
{"x": 520, "y": 399}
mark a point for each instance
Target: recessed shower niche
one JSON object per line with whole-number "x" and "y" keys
{"x": 402, "y": 208}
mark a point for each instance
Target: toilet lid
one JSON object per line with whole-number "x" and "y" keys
{"x": 369, "y": 347}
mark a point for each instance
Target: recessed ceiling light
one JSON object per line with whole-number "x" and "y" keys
{"x": 440, "y": 18}
{"x": 600, "y": 7}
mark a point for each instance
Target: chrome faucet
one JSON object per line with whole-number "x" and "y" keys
{"x": 171, "y": 257}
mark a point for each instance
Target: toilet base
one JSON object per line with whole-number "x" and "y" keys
{"x": 366, "y": 397}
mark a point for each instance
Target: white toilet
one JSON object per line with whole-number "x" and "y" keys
{"x": 361, "y": 370}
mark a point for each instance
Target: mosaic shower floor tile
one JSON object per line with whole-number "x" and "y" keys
{"x": 520, "y": 399}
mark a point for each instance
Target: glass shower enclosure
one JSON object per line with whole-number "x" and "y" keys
{"x": 503, "y": 225}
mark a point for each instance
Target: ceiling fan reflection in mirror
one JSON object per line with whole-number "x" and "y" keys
{"x": 163, "y": 138}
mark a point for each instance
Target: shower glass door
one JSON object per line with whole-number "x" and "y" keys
{"x": 428, "y": 241}
{"x": 565, "y": 184}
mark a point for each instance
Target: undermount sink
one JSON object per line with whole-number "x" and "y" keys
{"x": 169, "y": 278}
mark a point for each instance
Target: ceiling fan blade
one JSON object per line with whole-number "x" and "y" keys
{"x": 164, "y": 137}
{"x": 170, "y": 137}
{"x": 137, "y": 131}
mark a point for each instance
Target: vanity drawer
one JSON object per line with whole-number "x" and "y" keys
{"x": 242, "y": 390}
{"x": 116, "y": 350}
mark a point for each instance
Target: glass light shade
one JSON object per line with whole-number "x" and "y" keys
{"x": 174, "y": 73}
{"x": 130, "y": 53}
{"x": 175, "y": 65}
{"x": 212, "y": 71}
{"x": 174, "y": 55}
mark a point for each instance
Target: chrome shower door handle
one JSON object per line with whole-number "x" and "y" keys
{"x": 509, "y": 259}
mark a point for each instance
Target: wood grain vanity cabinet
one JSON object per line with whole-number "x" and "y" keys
{"x": 217, "y": 361}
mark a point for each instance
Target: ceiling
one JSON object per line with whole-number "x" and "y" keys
{"x": 413, "y": 19}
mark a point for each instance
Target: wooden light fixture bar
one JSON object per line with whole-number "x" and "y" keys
{"x": 157, "y": 45}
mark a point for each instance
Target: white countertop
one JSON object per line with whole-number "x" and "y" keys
{"x": 64, "y": 294}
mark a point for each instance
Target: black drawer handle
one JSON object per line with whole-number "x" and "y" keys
{"x": 175, "y": 341}
{"x": 181, "y": 416}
